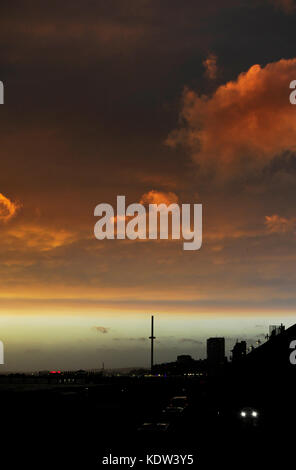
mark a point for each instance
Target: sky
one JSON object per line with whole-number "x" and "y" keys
{"x": 158, "y": 101}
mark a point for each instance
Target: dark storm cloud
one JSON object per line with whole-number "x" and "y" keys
{"x": 96, "y": 56}
{"x": 84, "y": 71}
{"x": 93, "y": 89}
{"x": 287, "y": 6}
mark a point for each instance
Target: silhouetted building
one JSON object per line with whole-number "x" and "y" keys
{"x": 268, "y": 373}
{"x": 216, "y": 351}
{"x": 239, "y": 351}
{"x": 184, "y": 365}
{"x": 215, "y": 356}
{"x": 275, "y": 330}
{"x": 184, "y": 358}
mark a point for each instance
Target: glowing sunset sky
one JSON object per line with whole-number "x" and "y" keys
{"x": 180, "y": 101}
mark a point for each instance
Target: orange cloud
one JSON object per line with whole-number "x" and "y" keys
{"x": 244, "y": 124}
{"x": 8, "y": 208}
{"x": 40, "y": 238}
{"x": 210, "y": 65}
{"x": 151, "y": 197}
{"x": 159, "y": 197}
{"x": 277, "y": 224}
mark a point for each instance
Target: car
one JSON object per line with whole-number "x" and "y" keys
{"x": 153, "y": 427}
{"x": 249, "y": 416}
{"x": 173, "y": 410}
{"x": 177, "y": 406}
{"x": 179, "y": 401}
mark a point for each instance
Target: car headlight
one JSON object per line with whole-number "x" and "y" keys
{"x": 254, "y": 414}
{"x": 243, "y": 414}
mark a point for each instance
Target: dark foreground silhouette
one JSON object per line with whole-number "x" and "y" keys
{"x": 70, "y": 426}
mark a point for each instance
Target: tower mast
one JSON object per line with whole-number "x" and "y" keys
{"x": 152, "y": 338}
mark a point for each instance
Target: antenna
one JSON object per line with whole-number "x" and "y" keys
{"x": 152, "y": 338}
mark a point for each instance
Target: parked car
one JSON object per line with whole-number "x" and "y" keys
{"x": 176, "y": 407}
{"x": 153, "y": 427}
{"x": 181, "y": 401}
